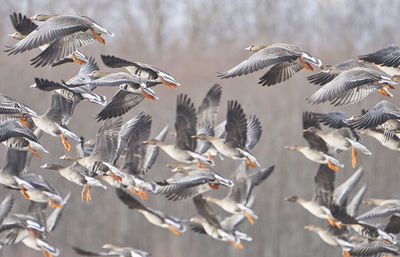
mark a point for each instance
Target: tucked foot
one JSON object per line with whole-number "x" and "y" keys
{"x": 46, "y": 253}
{"x": 345, "y": 253}
{"x": 200, "y": 165}
{"x": 147, "y": 95}
{"x": 169, "y": 85}
{"x": 33, "y": 233}
{"x": 353, "y": 157}
{"x": 117, "y": 178}
{"x": 306, "y": 66}
{"x": 98, "y": 37}
{"x": 22, "y": 119}
{"x": 54, "y": 204}
{"x": 248, "y": 216}
{"x": 174, "y": 230}
{"x": 213, "y": 186}
{"x": 24, "y": 193}
{"x": 250, "y": 163}
{"x": 384, "y": 92}
{"x": 77, "y": 60}
{"x": 333, "y": 166}
{"x": 34, "y": 152}
{"x": 64, "y": 140}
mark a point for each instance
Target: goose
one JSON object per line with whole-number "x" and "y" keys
{"x": 384, "y": 208}
{"x": 352, "y": 86}
{"x": 384, "y": 115}
{"x": 143, "y": 71}
{"x": 15, "y": 135}
{"x": 36, "y": 188}
{"x": 386, "y": 59}
{"x": 333, "y": 236}
{"x": 327, "y": 197}
{"x": 135, "y": 158}
{"x": 285, "y": 59}
{"x": 332, "y": 71}
{"x": 209, "y": 224}
{"x": 13, "y": 109}
{"x": 113, "y": 250}
{"x": 15, "y": 164}
{"x": 155, "y": 217}
{"x": 76, "y": 88}
{"x": 374, "y": 248}
{"x": 338, "y": 120}
{"x": 24, "y": 26}
{"x": 341, "y": 140}
{"x": 100, "y": 161}
{"x": 77, "y": 175}
{"x": 189, "y": 183}
{"x": 65, "y": 33}
{"x": 391, "y": 142}
{"x": 238, "y": 199}
{"x": 317, "y": 151}
{"x": 238, "y": 138}
{"x": 52, "y": 121}
{"x": 185, "y": 126}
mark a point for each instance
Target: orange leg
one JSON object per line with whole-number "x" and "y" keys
{"x": 54, "y": 204}
{"x": 250, "y": 163}
{"x": 305, "y": 65}
{"x": 354, "y": 157}
{"x": 345, "y": 253}
{"x": 147, "y": 95}
{"x": 248, "y": 216}
{"x": 64, "y": 140}
{"x": 98, "y": 37}
{"x": 24, "y": 193}
{"x": 117, "y": 178}
{"x": 383, "y": 92}
{"x": 34, "y": 152}
{"x": 22, "y": 119}
{"x": 333, "y": 166}
{"x": 236, "y": 245}
{"x": 88, "y": 197}
{"x": 169, "y": 85}
{"x": 388, "y": 86}
{"x": 331, "y": 221}
{"x": 83, "y": 192}
{"x": 213, "y": 186}
{"x": 142, "y": 193}
{"x": 77, "y": 60}
{"x": 174, "y": 230}
{"x": 200, "y": 165}
{"x": 33, "y": 233}
{"x": 46, "y": 253}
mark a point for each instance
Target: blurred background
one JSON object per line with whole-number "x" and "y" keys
{"x": 193, "y": 40}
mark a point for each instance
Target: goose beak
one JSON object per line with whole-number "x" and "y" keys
{"x": 247, "y": 48}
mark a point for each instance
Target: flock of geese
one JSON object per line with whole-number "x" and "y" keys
{"x": 121, "y": 154}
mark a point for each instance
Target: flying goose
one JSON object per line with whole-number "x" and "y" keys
{"x": 113, "y": 250}
{"x": 285, "y": 60}
{"x": 64, "y": 34}
{"x": 143, "y": 71}
{"x": 239, "y": 139}
{"x": 155, "y": 217}
{"x": 238, "y": 199}
{"x": 24, "y": 26}
{"x": 185, "y": 127}
{"x": 52, "y": 121}
{"x": 352, "y": 86}
{"x": 332, "y": 71}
